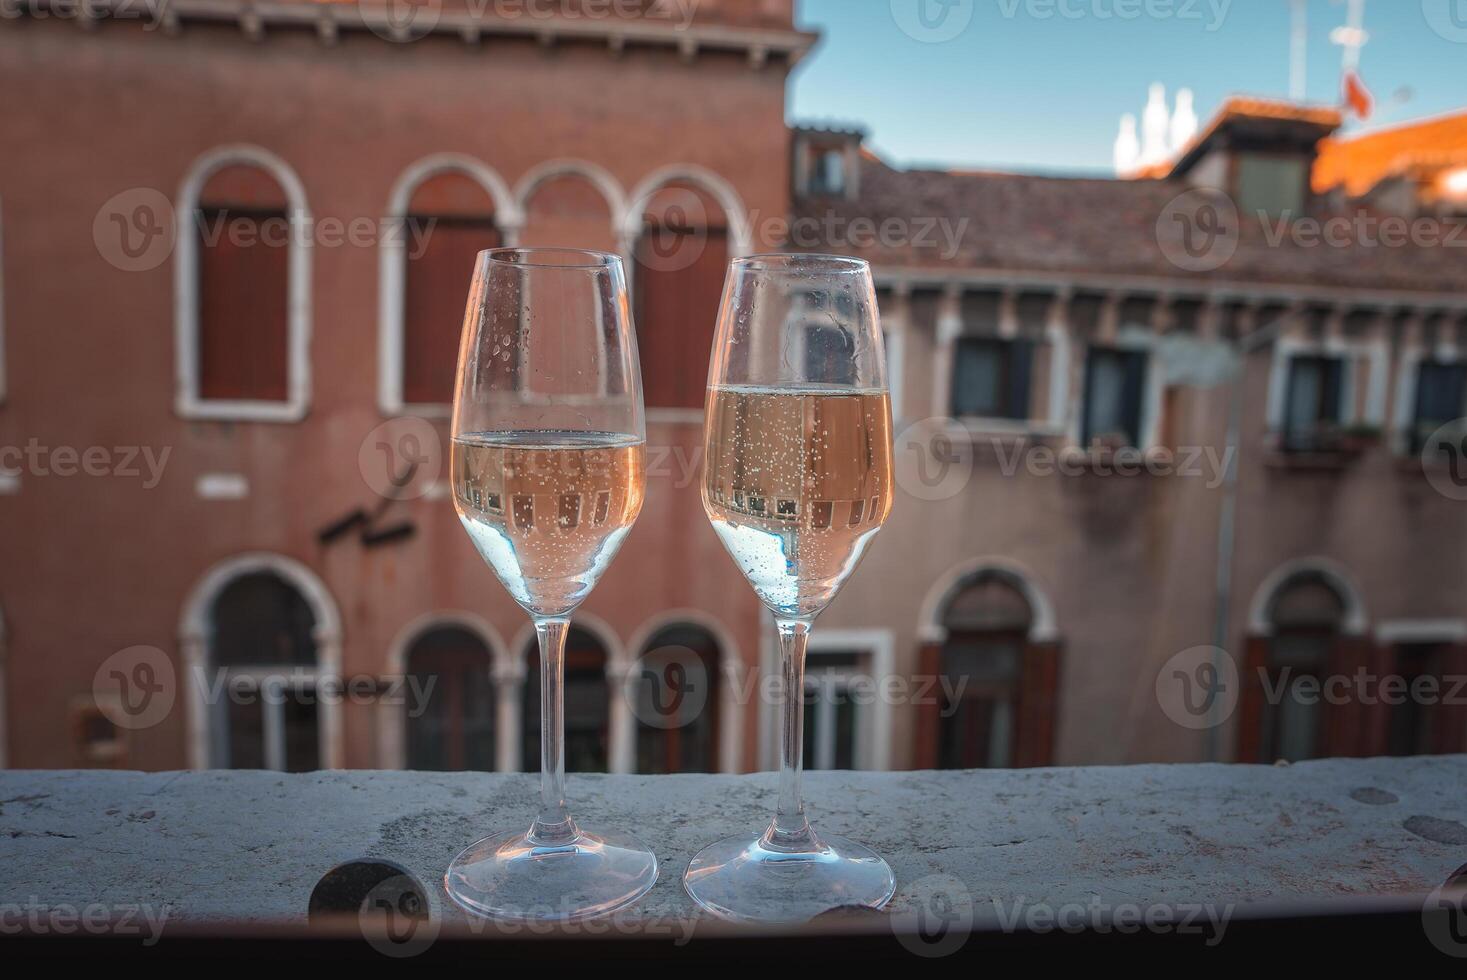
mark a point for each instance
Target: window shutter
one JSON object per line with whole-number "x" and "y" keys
{"x": 1038, "y": 700}
{"x": 1133, "y": 395}
{"x": 1021, "y": 370}
{"x": 437, "y": 284}
{"x": 929, "y": 710}
{"x": 244, "y": 331}
{"x": 677, "y": 310}
{"x": 1330, "y": 409}
{"x": 1251, "y": 701}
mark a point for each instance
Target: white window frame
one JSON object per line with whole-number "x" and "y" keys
{"x": 1128, "y": 339}
{"x": 950, "y": 329}
{"x": 877, "y": 651}
{"x": 1377, "y": 352}
{"x": 1408, "y": 376}
{"x": 392, "y": 268}
{"x": 272, "y": 710}
{"x": 188, "y": 403}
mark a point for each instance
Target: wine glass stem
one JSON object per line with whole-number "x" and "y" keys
{"x": 554, "y": 826}
{"x": 790, "y": 830}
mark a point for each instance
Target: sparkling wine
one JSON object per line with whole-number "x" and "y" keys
{"x": 548, "y": 510}
{"x": 797, "y": 482}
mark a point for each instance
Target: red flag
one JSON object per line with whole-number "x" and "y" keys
{"x": 1357, "y": 96}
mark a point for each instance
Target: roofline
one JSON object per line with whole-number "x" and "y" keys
{"x": 328, "y": 19}
{"x": 1221, "y": 290}
{"x": 1406, "y": 124}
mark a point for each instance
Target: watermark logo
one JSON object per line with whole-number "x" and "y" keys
{"x": 668, "y": 687}
{"x": 675, "y": 230}
{"x": 1198, "y": 230}
{"x": 1444, "y": 916}
{"x": 134, "y": 230}
{"x": 1198, "y": 688}
{"x": 402, "y": 21}
{"x": 396, "y": 918}
{"x": 932, "y": 21}
{"x": 935, "y": 916}
{"x": 930, "y": 464}
{"x": 402, "y": 458}
{"x": 1444, "y": 460}
{"x": 1448, "y": 18}
{"x": 135, "y": 688}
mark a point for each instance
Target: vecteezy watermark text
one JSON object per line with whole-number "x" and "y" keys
{"x": 124, "y": 462}
{"x": 38, "y": 918}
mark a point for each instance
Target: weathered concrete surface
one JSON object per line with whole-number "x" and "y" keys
{"x": 251, "y": 845}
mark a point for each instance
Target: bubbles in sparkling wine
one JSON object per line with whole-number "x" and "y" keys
{"x": 548, "y": 509}
{"x": 798, "y": 480}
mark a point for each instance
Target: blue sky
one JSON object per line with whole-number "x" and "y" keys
{"x": 1018, "y": 90}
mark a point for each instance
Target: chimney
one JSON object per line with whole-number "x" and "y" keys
{"x": 1154, "y": 125}
{"x": 1127, "y": 153}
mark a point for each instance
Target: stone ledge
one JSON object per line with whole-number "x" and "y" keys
{"x": 250, "y": 846}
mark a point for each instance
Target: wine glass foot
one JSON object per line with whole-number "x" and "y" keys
{"x": 746, "y": 880}
{"x": 508, "y": 877}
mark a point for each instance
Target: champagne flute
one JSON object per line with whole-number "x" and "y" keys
{"x": 549, "y": 460}
{"x": 797, "y": 481}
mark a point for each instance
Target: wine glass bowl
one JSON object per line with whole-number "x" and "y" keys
{"x": 548, "y": 475}
{"x": 797, "y": 481}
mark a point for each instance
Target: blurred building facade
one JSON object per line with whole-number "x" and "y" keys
{"x": 236, "y": 245}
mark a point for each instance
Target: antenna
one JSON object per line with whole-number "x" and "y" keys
{"x": 1299, "y": 52}
{"x": 1352, "y": 36}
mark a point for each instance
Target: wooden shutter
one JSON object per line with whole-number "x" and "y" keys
{"x": 1350, "y": 727}
{"x": 244, "y": 331}
{"x": 929, "y": 718}
{"x": 437, "y": 284}
{"x": 1038, "y": 701}
{"x": 1251, "y": 700}
{"x": 1021, "y": 370}
{"x": 677, "y": 309}
{"x": 245, "y": 242}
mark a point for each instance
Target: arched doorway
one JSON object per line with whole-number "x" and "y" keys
{"x": 677, "y": 696}
{"x": 263, "y": 651}
{"x": 261, "y": 646}
{"x": 453, "y": 728}
{"x": 994, "y": 655}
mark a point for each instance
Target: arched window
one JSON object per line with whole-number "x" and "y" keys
{"x": 1306, "y": 616}
{"x": 569, "y": 209}
{"x": 987, "y": 627}
{"x": 443, "y": 211}
{"x": 453, "y": 728}
{"x": 677, "y": 695}
{"x": 449, "y": 220}
{"x": 262, "y": 648}
{"x": 587, "y": 705}
{"x": 681, "y": 257}
{"x": 243, "y": 288}
{"x": 991, "y": 652}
